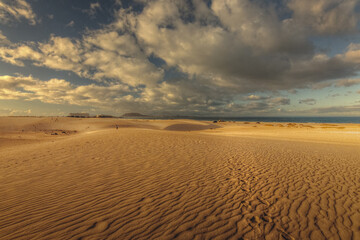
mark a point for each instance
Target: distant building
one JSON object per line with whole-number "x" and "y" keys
{"x": 79, "y": 115}
{"x": 104, "y": 116}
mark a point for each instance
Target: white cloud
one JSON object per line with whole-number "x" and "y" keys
{"x": 16, "y": 9}
{"x": 15, "y": 54}
{"x": 215, "y": 54}
{"x": 62, "y": 54}
{"x": 248, "y": 48}
{"x": 265, "y": 53}
{"x": 28, "y": 88}
{"x": 59, "y": 91}
{"x": 9, "y": 86}
{"x": 101, "y": 55}
{"x": 118, "y": 57}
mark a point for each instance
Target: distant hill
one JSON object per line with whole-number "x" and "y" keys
{"x": 134, "y": 115}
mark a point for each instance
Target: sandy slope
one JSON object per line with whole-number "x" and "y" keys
{"x": 147, "y": 181}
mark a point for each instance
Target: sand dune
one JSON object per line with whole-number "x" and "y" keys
{"x": 190, "y": 127}
{"x": 240, "y": 181}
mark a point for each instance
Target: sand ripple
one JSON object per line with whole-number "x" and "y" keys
{"x": 151, "y": 184}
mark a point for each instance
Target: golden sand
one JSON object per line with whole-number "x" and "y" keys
{"x": 64, "y": 178}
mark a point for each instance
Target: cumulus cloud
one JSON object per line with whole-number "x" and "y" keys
{"x": 59, "y": 91}
{"x": 265, "y": 53}
{"x": 201, "y": 57}
{"x": 61, "y": 54}
{"x": 203, "y": 49}
{"x": 28, "y": 88}
{"x": 101, "y": 55}
{"x": 308, "y": 101}
{"x": 182, "y": 99}
{"x": 118, "y": 57}
{"x": 110, "y": 96}
{"x": 16, "y": 10}
{"x": 16, "y": 53}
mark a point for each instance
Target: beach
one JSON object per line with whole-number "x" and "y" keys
{"x": 81, "y": 178}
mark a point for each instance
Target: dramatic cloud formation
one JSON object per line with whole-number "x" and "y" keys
{"x": 191, "y": 57}
{"x": 102, "y": 56}
{"x": 60, "y": 91}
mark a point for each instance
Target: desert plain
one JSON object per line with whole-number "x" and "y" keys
{"x": 68, "y": 178}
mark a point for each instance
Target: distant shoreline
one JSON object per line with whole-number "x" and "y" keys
{"x": 285, "y": 119}
{"x": 354, "y": 120}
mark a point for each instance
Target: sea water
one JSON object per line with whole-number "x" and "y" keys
{"x": 283, "y": 119}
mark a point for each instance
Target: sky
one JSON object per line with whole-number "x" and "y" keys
{"x": 180, "y": 57}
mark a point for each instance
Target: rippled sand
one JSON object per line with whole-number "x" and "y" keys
{"x": 177, "y": 179}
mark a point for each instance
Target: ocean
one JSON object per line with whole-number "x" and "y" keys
{"x": 282, "y": 119}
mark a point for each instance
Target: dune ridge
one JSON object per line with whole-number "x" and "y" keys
{"x": 142, "y": 182}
